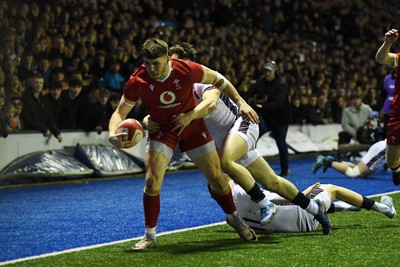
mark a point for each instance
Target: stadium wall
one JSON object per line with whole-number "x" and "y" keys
{"x": 321, "y": 137}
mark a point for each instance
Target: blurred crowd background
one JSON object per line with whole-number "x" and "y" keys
{"x": 63, "y": 63}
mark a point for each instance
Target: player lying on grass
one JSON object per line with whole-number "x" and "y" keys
{"x": 291, "y": 218}
{"x": 370, "y": 162}
{"x": 235, "y": 139}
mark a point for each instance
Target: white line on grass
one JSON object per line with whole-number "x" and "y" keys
{"x": 131, "y": 239}
{"x": 104, "y": 244}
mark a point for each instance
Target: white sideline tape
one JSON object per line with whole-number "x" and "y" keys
{"x": 103, "y": 244}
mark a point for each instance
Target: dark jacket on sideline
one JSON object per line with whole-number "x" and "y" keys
{"x": 273, "y": 101}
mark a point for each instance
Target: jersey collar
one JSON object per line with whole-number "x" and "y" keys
{"x": 169, "y": 72}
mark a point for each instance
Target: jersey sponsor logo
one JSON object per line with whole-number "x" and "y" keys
{"x": 151, "y": 87}
{"x": 168, "y": 98}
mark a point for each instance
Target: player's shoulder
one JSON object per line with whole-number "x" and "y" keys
{"x": 183, "y": 66}
{"x": 140, "y": 76}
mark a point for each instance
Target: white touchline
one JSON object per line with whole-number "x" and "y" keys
{"x": 103, "y": 244}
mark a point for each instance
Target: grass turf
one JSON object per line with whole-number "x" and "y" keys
{"x": 363, "y": 238}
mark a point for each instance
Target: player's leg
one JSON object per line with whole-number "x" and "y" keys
{"x": 329, "y": 162}
{"x": 386, "y": 205}
{"x": 393, "y": 148}
{"x": 207, "y": 160}
{"x": 350, "y": 170}
{"x": 393, "y": 156}
{"x": 341, "y": 166}
{"x": 263, "y": 173}
{"x": 393, "y": 162}
{"x": 234, "y": 147}
{"x": 279, "y": 134}
{"x": 371, "y": 161}
{"x": 156, "y": 161}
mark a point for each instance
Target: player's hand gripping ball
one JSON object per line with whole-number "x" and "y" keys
{"x": 134, "y": 130}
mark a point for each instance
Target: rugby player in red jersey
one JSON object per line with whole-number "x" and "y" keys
{"x": 165, "y": 87}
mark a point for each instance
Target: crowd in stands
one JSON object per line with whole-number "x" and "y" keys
{"x": 63, "y": 63}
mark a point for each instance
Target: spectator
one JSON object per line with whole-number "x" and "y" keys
{"x": 44, "y": 69}
{"x": 4, "y": 129}
{"x": 313, "y": 114}
{"x": 121, "y": 56}
{"x": 104, "y": 111}
{"x": 36, "y": 114}
{"x": 9, "y": 111}
{"x": 296, "y": 115}
{"x": 338, "y": 105}
{"x": 99, "y": 68}
{"x": 89, "y": 80}
{"x": 55, "y": 102}
{"x": 371, "y": 99}
{"x": 353, "y": 117}
{"x": 26, "y": 68}
{"x": 90, "y": 116}
{"x": 58, "y": 47}
{"x": 324, "y": 109}
{"x": 74, "y": 104}
{"x": 18, "y": 106}
{"x": 13, "y": 87}
{"x": 113, "y": 80}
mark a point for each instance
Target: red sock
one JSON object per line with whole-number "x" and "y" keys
{"x": 151, "y": 205}
{"x": 225, "y": 201}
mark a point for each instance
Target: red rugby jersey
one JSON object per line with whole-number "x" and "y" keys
{"x": 171, "y": 96}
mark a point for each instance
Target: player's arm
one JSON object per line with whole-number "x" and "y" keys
{"x": 205, "y": 107}
{"x": 225, "y": 86}
{"x": 120, "y": 113}
{"x": 383, "y": 55}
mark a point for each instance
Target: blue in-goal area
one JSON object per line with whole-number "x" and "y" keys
{"x": 47, "y": 218}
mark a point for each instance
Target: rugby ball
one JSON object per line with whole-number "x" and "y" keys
{"x": 133, "y": 128}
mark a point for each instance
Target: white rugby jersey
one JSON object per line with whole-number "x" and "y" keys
{"x": 221, "y": 120}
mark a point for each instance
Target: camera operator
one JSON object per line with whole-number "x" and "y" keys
{"x": 269, "y": 96}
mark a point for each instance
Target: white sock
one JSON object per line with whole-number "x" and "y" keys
{"x": 312, "y": 207}
{"x": 150, "y": 232}
{"x": 379, "y": 207}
